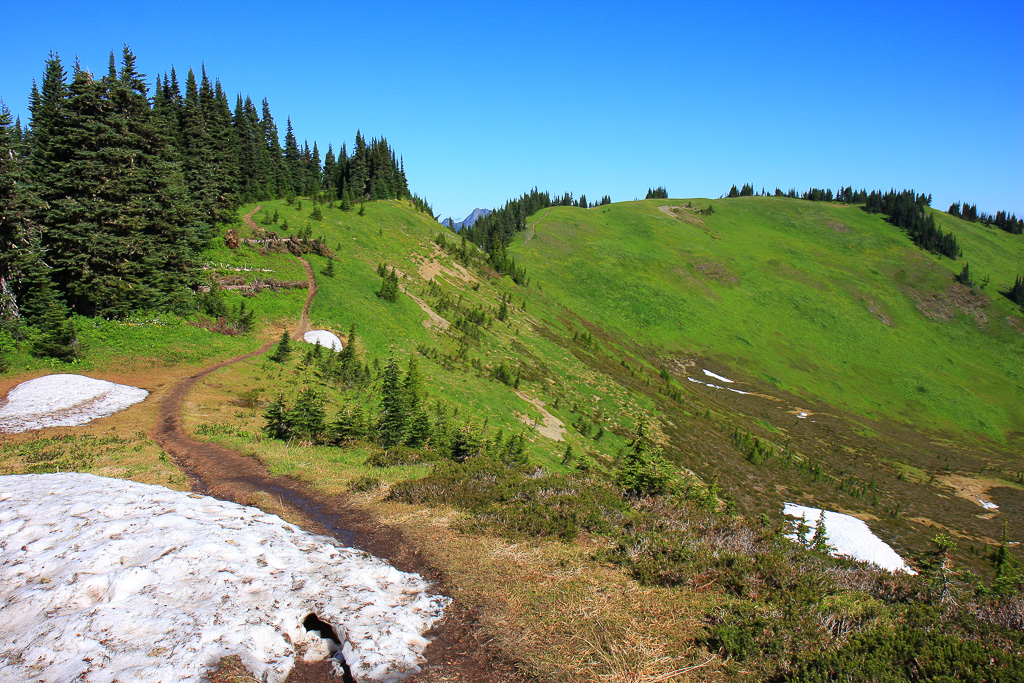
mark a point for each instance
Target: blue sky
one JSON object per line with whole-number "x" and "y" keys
{"x": 598, "y": 98}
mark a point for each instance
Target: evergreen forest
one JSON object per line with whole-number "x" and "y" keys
{"x": 112, "y": 189}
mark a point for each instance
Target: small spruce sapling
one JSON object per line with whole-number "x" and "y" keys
{"x": 283, "y": 350}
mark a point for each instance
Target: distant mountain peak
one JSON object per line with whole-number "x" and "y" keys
{"x": 469, "y": 220}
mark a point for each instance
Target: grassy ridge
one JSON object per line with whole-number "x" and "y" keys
{"x": 822, "y": 301}
{"x": 390, "y": 232}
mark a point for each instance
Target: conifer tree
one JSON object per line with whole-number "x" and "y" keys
{"x": 391, "y": 422}
{"x": 1017, "y": 291}
{"x": 278, "y": 182}
{"x": 349, "y": 424}
{"x": 46, "y": 108}
{"x": 306, "y": 419}
{"x": 314, "y": 172}
{"x": 56, "y": 337}
{"x": 330, "y": 173}
{"x": 198, "y": 152}
{"x": 819, "y": 540}
{"x": 293, "y": 162}
{"x": 644, "y": 471}
{"x": 358, "y": 170}
{"x": 284, "y": 348}
{"x": 389, "y": 287}
{"x": 276, "y": 420}
{"x": 250, "y": 152}
{"x": 17, "y": 257}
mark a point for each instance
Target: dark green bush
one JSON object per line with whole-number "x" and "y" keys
{"x": 365, "y": 483}
{"x": 923, "y": 648}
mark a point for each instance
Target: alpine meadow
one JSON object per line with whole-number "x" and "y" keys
{"x": 589, "y": 426}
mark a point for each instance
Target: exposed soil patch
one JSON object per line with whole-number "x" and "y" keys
{"x": 878, "y": 311}
{"x": 689, "y": 215}
{"x": 943, "y": 306}
{"x": 973, "y": 489}
{"x": 683, "y": 213}
{"x": 714, "y": 271}
{"x": 429, "y": 269}
{"x": 550, "y": 426}
{"x": 837, "y": 226}
{"x": 434, "y": 320}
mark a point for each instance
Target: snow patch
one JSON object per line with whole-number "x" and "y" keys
{"x": 63, "y": 401}
{"x": 802, "y": 416}
{"x": 707, "y": 384}
{"x": 988, "y": 505}
{"x": 849, "y": 536}
{"x": 326, "y": 339}
{"x": 103, "y": 580}
{"x": 718, "y": 377}
{"x": 738, "y": 391}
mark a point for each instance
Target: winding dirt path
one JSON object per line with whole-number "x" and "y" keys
{"x": 531, "y": 228}
{"x": 455, "y": 653}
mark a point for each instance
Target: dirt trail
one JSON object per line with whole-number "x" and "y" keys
{"x": 531, "y": 230}
{"x": 303, "y": 325}
{"x": 455, "y": 653}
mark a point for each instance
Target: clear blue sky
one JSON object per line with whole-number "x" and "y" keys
{"x": 598, "y": 98}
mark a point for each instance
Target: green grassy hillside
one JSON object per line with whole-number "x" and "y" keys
{"x": 825, "y": 302}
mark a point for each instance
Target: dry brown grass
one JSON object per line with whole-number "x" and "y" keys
{"x": 563, "y": 615}
{"x": 230, "y": 670}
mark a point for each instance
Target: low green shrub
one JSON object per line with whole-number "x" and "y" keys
{"x": 516, "y": 500}
{"x": 365, "y": 483}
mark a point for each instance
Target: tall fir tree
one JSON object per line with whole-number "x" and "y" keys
{"x": 330, "y": 173}
{"x": 278, "y": 183}
{"x": 391, "y": 421}
{"x": 293, "y": 162}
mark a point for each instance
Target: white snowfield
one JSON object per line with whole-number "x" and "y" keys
{"x": 105, "y": 580}
{"x": 718, "y": 377}
{"x": 63, "y": 401}
{"x": 324, "y": 338}
{"x": 850, "y": 537}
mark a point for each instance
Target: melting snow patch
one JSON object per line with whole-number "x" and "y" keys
{"x": 63, "y": 401}
{"x": 802, "y": 415}
{"x": 707, "y": 384}
{"x": 849, "y": 536}
{"x": 987, "y": 505}
{"x": 738, "y": 391}
{"x": 326, "y": 339}
{"x": 103, "y": 580}
{"x": 718, "y": 377}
